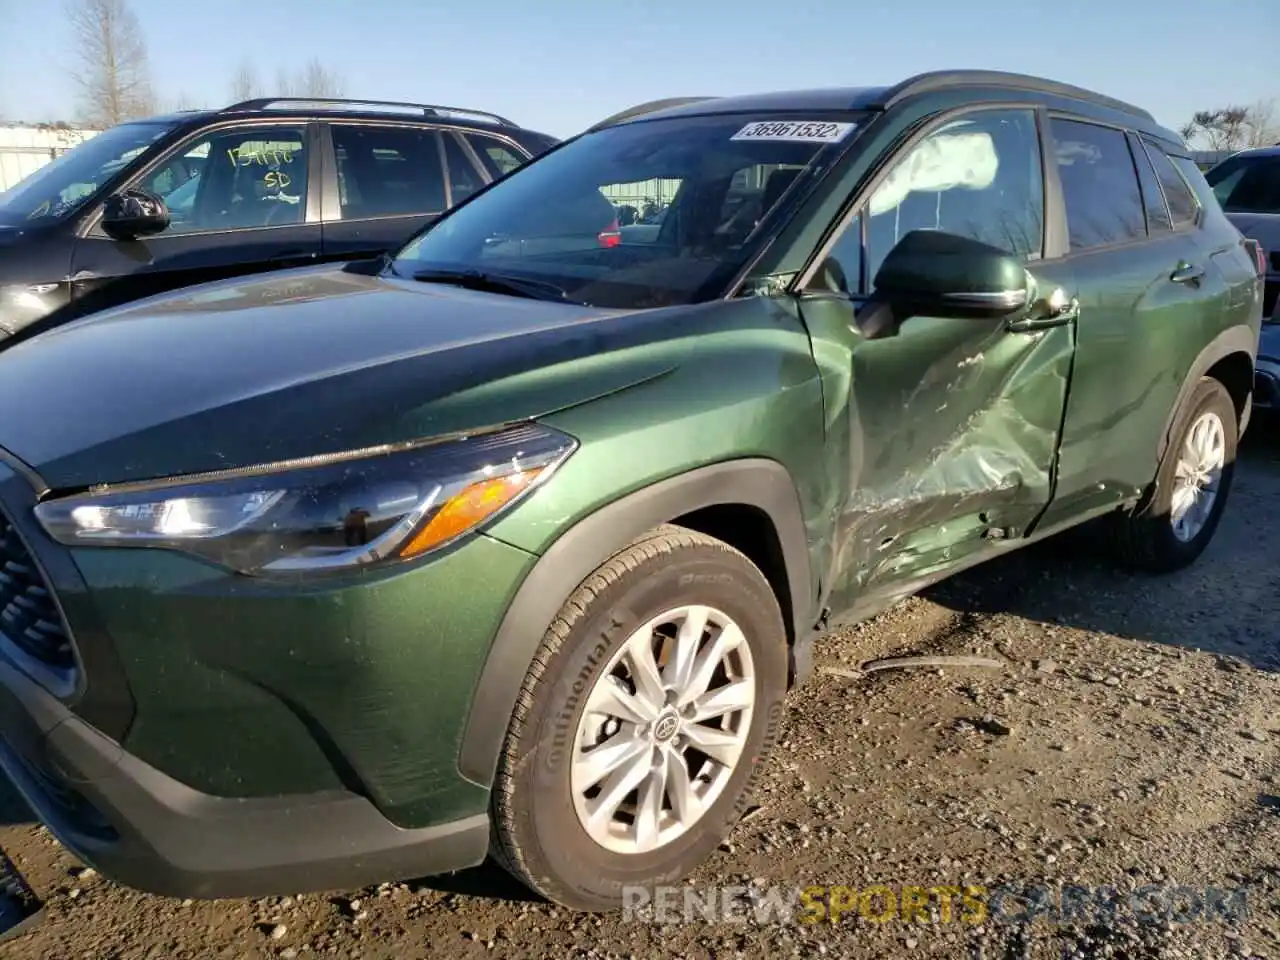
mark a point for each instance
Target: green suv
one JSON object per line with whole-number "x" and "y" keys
{"x": 514, "y": 542}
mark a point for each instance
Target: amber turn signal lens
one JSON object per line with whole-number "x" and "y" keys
{"x": 472, "y": 505}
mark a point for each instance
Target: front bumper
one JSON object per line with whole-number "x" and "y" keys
{"x": 147, "y": 830}
{"x": 233, "y": 736}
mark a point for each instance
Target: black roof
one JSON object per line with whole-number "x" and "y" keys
{"x": 877, "y": 98}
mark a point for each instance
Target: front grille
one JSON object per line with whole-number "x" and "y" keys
{"x": 1271, "y": 292}
{"x": 29, "y": 618}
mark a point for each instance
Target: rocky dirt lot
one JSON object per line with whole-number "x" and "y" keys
{"x": 1130, "y": 738}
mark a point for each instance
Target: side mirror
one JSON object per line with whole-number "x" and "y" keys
{"x": 931, "y": 273}
{"x": 134, "y": 213}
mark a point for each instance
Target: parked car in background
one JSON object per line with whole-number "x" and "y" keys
{"x": 173, "y": 200}
{"x": 514, "y": 543}
{"x": 1247, "y": 185}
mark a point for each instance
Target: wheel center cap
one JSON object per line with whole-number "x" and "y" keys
{"x": 665, "y": 727}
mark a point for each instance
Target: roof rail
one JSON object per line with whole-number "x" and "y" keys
{"x": 640, "y": 109}
{"x": 426, "y": 109}
{"x": 942, "y": 79}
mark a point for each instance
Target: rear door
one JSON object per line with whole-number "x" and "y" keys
{"x": 242, "y": 198}
{"x": 1150, "y": 298}
{"x": 386, "y": 182}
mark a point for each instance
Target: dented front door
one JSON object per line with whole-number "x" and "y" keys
{"x": 953, "y": 430}
{"x": 944, "y": 431}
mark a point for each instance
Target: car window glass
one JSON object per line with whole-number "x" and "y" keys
{"x": 841, "y": 269}
{"x": 1182, "y": 202}
{"x": 641, "y": 206}
{"x": 979, "y": 176}
{"x": 234, "y": 180}
{"x": 1158, "y": 219}
{"x": 1252, "y": 185}
{"x": 498, "y": 157}
{"x": 1224, "y": 178}
{"x": 753, "y": 192}
{"x": 464, "y": 178}
{"x": 59, "y": 187}
{"x": 177, "y": 181}
{"x": 1099, "y": 184}
{"x": 387, "y": 171}
{"x": 558, "y": 221}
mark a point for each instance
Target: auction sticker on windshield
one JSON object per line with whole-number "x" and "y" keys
{"x": 803, "y": 131}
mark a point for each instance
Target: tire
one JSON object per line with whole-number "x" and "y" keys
{"x": 538, "y": 831}
{"x": 1144, "y": 539}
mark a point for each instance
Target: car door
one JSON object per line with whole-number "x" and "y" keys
{"x": 1148, "y": 293}
{"x": 388, "y": 182}
{"x": 241, "y": 199}
{"x": 942, "y": 433}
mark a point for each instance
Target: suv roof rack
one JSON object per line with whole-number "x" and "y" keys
{"x": 332, "y": 103}
{"x": 941, "y": 79}
{"x": 650, "y": 106}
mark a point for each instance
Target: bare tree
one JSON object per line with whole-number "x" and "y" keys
{"x": 1234, "y": 128}
{"x": 316, "y": 80}
{"x": 112, "y": 71}
{"x": 285, "y": 86}
{"x": 183, "y": 101}
{"x": 244, "y": 85}
{"x": 1264, "y": 125}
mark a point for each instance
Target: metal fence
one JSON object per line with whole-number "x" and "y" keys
{"x": 24, "y": 150}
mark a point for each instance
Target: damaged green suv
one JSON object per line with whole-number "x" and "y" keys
{"x": 513, "y": 543}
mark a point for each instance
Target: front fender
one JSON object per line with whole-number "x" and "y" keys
{"x": 760, "y": 483}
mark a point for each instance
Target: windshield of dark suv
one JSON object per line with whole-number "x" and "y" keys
{"x": 646, "y": 214}
{"x": 63, "y": 184}
{"x": 1247, "y": 184}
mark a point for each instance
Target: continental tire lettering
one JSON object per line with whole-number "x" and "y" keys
{"x": 562, "y": 729}
{"x": 688, "y": 579}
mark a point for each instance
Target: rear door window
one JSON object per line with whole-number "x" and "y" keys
{"x": 498, "y": 156}
{"x": 464, "y": 178}
{"x": 388, "y": 171}
{"x": 1099, "y": 184}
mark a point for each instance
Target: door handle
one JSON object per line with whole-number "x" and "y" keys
{"x": 1055, "y": 310}
{"x": 1187, "y": 273}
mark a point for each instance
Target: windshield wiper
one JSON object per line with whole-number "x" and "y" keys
{"x": 496, "y": 283}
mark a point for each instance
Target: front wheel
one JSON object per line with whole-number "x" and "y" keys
{"x": 1171, "y": 528}
{"x": 642, "y": 721}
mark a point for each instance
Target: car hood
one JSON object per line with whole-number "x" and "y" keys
{"x": 298, "y": 363}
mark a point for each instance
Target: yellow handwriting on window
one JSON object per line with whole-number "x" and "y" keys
{"x": 267, "y": 154}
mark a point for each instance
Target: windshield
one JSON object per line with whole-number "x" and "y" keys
{"x": 1248, "y": 184}
{"x": 60, "y": 186}
{"x": 646, "y": 214}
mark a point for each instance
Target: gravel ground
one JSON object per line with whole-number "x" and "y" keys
{"x": 1129, "y": 738}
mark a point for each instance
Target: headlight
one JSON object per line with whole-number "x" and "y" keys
{"x": 387, "y": 504}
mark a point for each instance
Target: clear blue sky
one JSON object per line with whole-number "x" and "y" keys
{"x": 558, "y": 65}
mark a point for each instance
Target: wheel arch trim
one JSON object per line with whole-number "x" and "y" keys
{"x": 757, "y": 482}
{"x": 1236, "y": 339}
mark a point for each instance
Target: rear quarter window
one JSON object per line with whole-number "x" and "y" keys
{"x": 1184, "y": 208}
